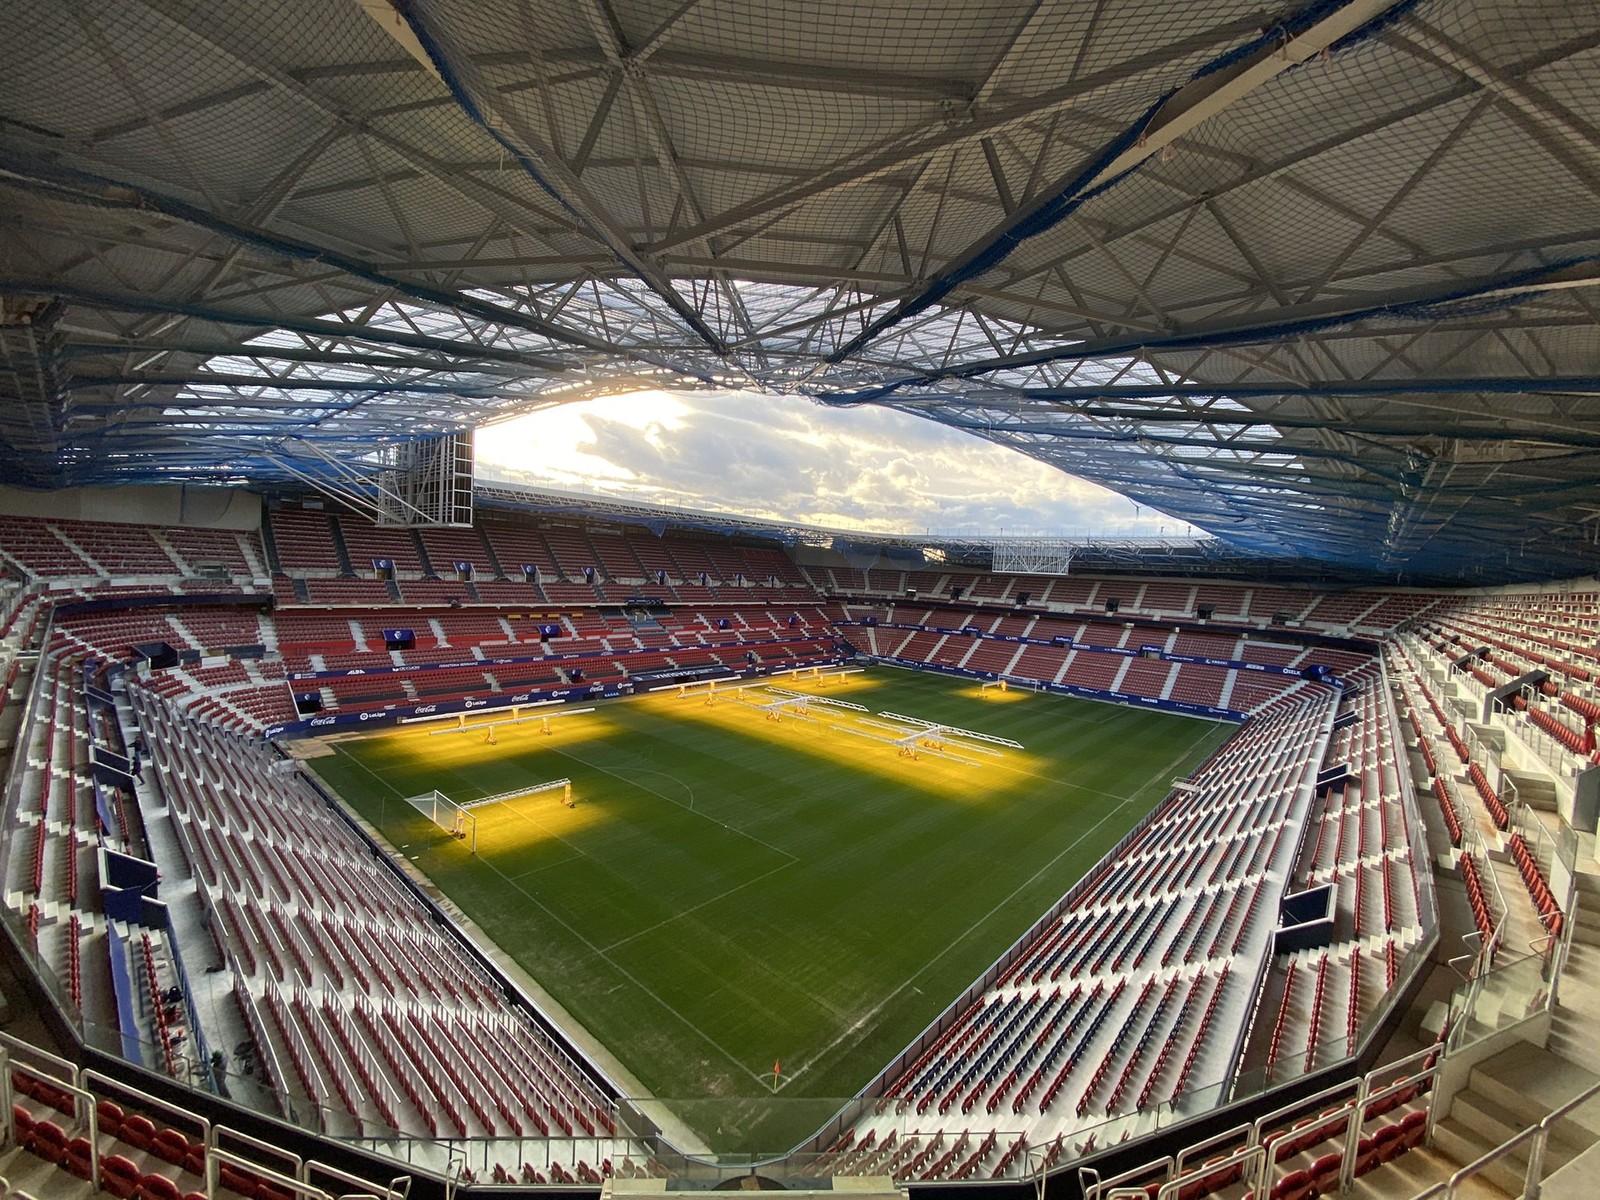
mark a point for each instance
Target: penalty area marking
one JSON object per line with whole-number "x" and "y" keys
{"x": 689, "y": 807}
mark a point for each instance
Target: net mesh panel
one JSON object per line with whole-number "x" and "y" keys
{"x": 796, "y": 171}
{"x": 443, "y": 812}
{"x": 1324, "y": 213}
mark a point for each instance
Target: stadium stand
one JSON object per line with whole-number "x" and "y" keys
{"x": 1101, "y": 1015}
{"x": 1154, "y": 983}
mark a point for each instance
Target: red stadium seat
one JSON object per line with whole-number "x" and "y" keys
{"x": 245, "y": 1183}
{"x": 1389, "y": 1142}
{"x": 170, "y": 1146}
{"x": 1366, "y": 1156}
{"x": 138, "y": 1131}
{"x": 119, "y": 1176}
{"x": 47, "y": 1140}
{"x": 158, "y": 1187}
{"x": 108, "y": 1117}
{"x": 1413, "y": 1129}
{"x": 79, "y": 1158}
{"x": 1325, "y": 1172}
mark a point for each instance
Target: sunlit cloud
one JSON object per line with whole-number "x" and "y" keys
{"x": 789, "y": 459}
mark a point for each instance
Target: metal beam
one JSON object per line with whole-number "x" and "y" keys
{"x": 131, "y": 303}
{"x": 1180, "y": 110}
{"x": 1278, "y": 323}
{"x": 886, "y": 157}
{"x": 102, "y": 192}
{"x": 553, "y": 175}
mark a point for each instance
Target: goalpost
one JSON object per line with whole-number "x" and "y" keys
{"x": 459, "y": 821}
{"x": 449, "y": 816}
{"x": 993, "y": 685}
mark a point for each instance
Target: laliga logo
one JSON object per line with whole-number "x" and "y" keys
{"x": 476, "y": 703}
{"x": 369, "y": 716}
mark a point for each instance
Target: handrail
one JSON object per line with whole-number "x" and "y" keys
{"x": 1538, "y": 1133}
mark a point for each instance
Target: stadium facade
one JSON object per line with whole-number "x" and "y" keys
{"x": 1316, "y": 278}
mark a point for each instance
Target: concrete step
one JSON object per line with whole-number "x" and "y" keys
{"x": 1535, "y": 790}
{"x": 1584, "y": 961}
{"x": 1487, "y": 1119}
{"x": 1588, "y": 884}
{"x": 1416, "y": 1171}
{"x": 1586, "y": 933}
{"x": 1575, "y": 1181}
{"x": 1572, "y": 1037}
{"x": 1580, "y": 988}
{"x": 1528, "y": 1082}
{"x": 1463, "y": 1145}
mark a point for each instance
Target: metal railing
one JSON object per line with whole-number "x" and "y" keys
{"x": 1251, "y": 1154}
{"x": 88, "y": 1090}
{"x": 1536, "y": 1136}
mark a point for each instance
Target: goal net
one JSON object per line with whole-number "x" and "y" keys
{"x": 444, "y": 812}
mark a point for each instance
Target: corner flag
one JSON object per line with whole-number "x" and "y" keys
{"x": 777, "y": 1068}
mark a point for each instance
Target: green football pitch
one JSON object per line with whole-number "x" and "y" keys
{"x": 730, "y": 891}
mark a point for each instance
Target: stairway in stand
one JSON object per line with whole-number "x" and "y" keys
{"x": 1575, "y": 1024}
{"x": 1506, "y": 1094}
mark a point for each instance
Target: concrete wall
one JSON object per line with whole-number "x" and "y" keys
{"x": 216, "y": 508}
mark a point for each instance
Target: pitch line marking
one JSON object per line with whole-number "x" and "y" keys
{"x": 738, "y": 887}
{"x": 909, "y": 981}
{"x": 966, "y": 933}
{"x": 687, "y": 808}
{"x": 625, "y": 973}
{"x": 618, "y": 967}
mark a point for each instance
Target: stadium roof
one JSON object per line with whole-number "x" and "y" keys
{"x": 1319, "y": 278}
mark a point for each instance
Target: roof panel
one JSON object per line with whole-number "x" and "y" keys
{"x": 973, "y": 211}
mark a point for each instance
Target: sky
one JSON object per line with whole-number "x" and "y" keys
{"x": 790, "y": 459}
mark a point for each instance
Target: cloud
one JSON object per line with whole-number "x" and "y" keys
{"x": 789, "y": 459}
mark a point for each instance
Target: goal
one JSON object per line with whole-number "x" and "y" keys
{"x": 459, "y": 820}
{"x": 449, "y": 816}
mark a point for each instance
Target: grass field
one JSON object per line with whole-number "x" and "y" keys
{"x": 731, "y": 890}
